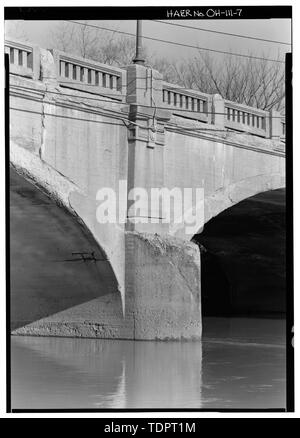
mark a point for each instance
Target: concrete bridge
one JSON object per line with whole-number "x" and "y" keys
{"x": 77, "y": 127}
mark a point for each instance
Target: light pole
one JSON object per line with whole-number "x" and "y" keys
{"x": 138, "y": 50}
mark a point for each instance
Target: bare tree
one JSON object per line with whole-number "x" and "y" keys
{"x": 90, "y": 42}
{"x": 253, "y": 82}
{"x": 258, "y": 83}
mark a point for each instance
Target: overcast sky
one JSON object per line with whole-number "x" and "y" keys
{"x": 274, "y": 29}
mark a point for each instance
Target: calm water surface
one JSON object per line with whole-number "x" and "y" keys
{"x": 240, "y": 363}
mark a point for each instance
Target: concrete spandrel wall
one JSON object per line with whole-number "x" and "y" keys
{"x": 26, "y": 109}
{"x": 227, "y": 173}
{"x": 93, "y": 155}
{"x": 82, "y": 140}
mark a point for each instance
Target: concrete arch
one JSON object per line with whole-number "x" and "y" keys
{"x": 238, "y": 191}
{"x": 243, "y": 258}
{"x": 58, "y": 271}
{"x": 234, "y": 193}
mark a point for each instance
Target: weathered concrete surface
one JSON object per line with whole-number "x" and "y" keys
{"x": 82, "y": 140}
{"x": 50, "y": 283}
{"x": 229, "y": 166}
{"x": 162, "y": 287}
{"x": 62, "y": 283}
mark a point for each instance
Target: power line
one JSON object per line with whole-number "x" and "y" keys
{"x": 110, "y": 123}
{"x": 69, "y": 95}
{"x": 173, "y": 109}
{"x": 130, "y": 122}
{"x": 115, "y": 96}
{"x": 72, "y": 118}
{"x": 222, "y": 33}
{"x": 179, "y": 44}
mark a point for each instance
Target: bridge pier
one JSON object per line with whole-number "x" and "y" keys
{"x": 162, "y": 274}
{"x": 163, "y": 297}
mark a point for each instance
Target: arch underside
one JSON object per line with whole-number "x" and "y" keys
{"x": 236, "y": 192}
{"x": 56, "y": 266}
{"x": 243, "y": 257}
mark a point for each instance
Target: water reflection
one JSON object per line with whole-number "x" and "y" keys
{"x": 226, "y": 370}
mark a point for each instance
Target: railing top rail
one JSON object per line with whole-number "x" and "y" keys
{"x": 88, "y": 63}
{"x": 184, "y": 91}
{"x": 245, "y": 108}
{"x": 9, "y": 42}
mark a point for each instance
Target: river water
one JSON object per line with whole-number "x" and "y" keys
{"x": 240, "y": 363}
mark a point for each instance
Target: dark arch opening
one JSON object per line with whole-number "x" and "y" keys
{"x": 55, "y": 262}
{"x": 243, "y": 258}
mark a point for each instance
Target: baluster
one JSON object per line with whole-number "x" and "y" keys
{"x": 62, "y": 68}
{"x": 106, "y": 80}
{"x": 174, "y": 98}
{"x": 78, "y": 73}
{"x": 69, "y": 70}
{"x": 93, "y": 77}
{"x": 15, "y": 56}
{"x": 85, "y": 75}
{"x": 24, "y": 58}
{"x": 114, "y": 82}
{"x": 100, "y": 79}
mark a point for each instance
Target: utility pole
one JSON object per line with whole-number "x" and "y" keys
{"x": 138, "y": 50}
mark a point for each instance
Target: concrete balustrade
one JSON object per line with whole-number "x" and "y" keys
{"x": 24, "y": 59}
{"x": 91, "y": 76}
{"x": 246, "y": 119}
{"x": 193, "y": 103}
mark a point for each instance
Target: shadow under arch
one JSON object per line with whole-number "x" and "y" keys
{"x": 243, "y": 258}
{"x": 55, "y": 262}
